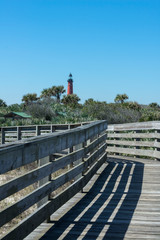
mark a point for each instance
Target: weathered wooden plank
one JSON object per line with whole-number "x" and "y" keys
{"x": 28, "y": 130}
{"x": 25, "y": 134}
{"x": 134, "y": 143}
{"x": 131, "y": 151}
{"x": 134, "y": 135}
{"x": 10, "y": 134}
{"x": 135, "y": 126}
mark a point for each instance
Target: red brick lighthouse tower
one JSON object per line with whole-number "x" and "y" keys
{"x": 70, "y": 85}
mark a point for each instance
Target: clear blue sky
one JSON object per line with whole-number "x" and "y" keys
{"x": 110, "y": 47}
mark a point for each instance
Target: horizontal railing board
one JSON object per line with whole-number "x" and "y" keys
{"x": 134, "y": 135}
{"x": 39, "y": 216}
{"x": 26, "y": 152}
{"x": 134, "y": 126}
{"x": 134, "y": 143}
{"x": 28, "y": 134}
{"x": 48, "y": 128}
{"x": 131, "y": 151}
{"x": 27, "y": 179}
{"x": 22, "y": 130}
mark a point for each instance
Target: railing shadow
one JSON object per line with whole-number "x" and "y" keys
{"x": 107, "y": 209}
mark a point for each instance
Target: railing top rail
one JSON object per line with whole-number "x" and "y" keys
{"x": 49, "y": 136}
{"x": 43, "y": 125}
{"x": 135, "y": 126}
{"x": 26, "y": 151}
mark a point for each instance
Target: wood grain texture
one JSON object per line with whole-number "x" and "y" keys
{"x": 134, "y": 143}
{"x": 134, "y": 135}
{"x": 135, "y": 126}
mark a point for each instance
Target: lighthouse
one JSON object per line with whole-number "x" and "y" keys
{"x": 70, "y": 85}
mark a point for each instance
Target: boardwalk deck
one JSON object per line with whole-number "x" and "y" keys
{"x": 122, "y": 201}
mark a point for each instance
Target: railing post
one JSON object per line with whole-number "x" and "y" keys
{"x": 43, "y": 181}
{"x": 156, "y": 140}
{"x": 2, "y": 136}
{"x": 19, "y": 135}
{"x": 70, "y": 150}
{"x": 41, "y": 162}
{"x": 134, "y": 132}
{"x": 53, "y": 128}
{"x": 38, "y": 131}
{"x": 136, "y": 140}
{"x": 115, "y": 138}
{"x": 84, "y": 145}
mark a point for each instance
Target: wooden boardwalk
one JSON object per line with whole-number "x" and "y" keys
{"x": 122, "y": 201}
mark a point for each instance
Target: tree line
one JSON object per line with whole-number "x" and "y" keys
{"x": 54, "y": 91}
{"x": 52, "y": 106}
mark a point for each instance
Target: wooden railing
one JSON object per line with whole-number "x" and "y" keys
{"x": 83, "y": 149}
{"x": 11, "y": 134}
{"x": 134, "y": 139}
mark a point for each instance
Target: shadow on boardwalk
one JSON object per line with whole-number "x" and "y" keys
{"x": 105, "y": 212}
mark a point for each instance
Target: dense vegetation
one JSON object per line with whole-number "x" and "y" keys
{"x": 52, "y": 106}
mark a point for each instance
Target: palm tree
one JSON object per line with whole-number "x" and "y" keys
{"x": 59, "y": 90}
{"x": 45, "y": 93}
{"x": 55, "y": 91}
{"x": 121, "y": 98}
{"x": 29, "y": 98}
{"x": 2, "y": 103}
